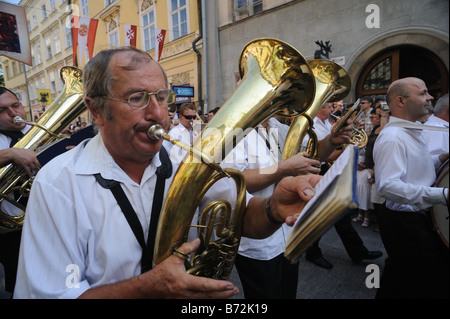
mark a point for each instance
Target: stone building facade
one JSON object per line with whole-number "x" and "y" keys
{"x": 376, "y": 42}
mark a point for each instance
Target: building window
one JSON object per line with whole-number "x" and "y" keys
{"x": 48, "y": 46}
{"x": 114, "y": 39}
{"x": 15, "y": 72}
{"x": 51, "y": 76}
{"x": 52, "y": 5}
{"x": 84, "y": 8}
{"x": 148, "y": 30}
{"x": 38, "y": 54}
{"x": 108, "y": 2}
{"x": 44, "y": 12}
{"x": 380, "y": 76}
{"x": 68, "y": 36}
{"x": 113, "y": 32}
{"x": 179, "y": 18}
{"x": 56, "y": 41}
{"x": 33, "y": 60}
{"x": 8, "y": 75}
{"x": 246, "y": 8}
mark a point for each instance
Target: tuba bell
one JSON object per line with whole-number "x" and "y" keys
{"x": 13, "y": 178}
{"x": 332, "y": 84}
{"x": 275, "y": 78}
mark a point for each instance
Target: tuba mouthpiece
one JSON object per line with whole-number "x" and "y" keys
{"x": 156, "y": 132}
{"x": 18, "y": 120}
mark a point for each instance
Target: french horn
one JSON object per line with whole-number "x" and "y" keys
{"x": 332, "y": 84}
{"x": 276, "y": 78}
{"x": 359, "y": 136}
{"x": 13, "y": 178}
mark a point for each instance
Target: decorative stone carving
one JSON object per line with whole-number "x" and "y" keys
{"x": 181, "y": 78}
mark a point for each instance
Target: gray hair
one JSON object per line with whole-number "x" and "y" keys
{"x": 441, "y": 106}
{"x": 98, "y": 79}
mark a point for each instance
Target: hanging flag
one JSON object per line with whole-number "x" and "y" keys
{"x": 130, "y": 35}
{"x": 91, "y": 36}
{"x": 160, "y": 35}
{"x": 84, "y": 30}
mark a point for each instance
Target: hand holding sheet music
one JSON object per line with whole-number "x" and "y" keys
{"x": 334, "y": 195}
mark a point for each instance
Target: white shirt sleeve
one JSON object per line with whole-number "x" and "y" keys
{"x": 58, "y": 262}
{"x": 398, "y": 180}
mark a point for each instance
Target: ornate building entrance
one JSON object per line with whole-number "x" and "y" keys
{"x": 400, "y": 62}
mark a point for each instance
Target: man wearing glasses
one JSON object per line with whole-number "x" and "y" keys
{"x": 183, "y": 132}
{"x": 76, "y": 239}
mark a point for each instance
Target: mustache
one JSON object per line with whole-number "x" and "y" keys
{"x": 145, "y": 126}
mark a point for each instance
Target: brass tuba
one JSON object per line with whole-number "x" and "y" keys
{"x": 275, "y": 78}
{"x": 332, "y": 84}
{"x": 13, "y": 178}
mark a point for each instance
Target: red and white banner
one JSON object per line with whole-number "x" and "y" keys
{"x": 84, "y": 30}
{"x": 130, "y": 35}
{"x": 160, "y": 35}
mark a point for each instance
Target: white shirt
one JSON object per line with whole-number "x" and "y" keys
{"x": 253, "y": 153}
{"x": 437, "y": 142}
{"x": 405, "y": 170}
{"x": 322, "y": 128}
{"x": 6, "y": 140}
{"x": 181, "y": 133}
{"x": 79, "y": 229}
{"x": 368, "y": 126}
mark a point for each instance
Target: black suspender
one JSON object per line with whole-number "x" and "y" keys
{"x": 163, "y": 172}
{"x": 14, "y": 135}
{"x": 266, "y": 140}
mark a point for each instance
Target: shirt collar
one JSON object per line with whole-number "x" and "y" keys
{"x": 95, "y": 158}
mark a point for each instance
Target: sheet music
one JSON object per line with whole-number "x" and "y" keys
{"x": 328, "y": 179}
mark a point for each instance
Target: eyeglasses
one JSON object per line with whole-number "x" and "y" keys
{"x": 189, "y": 117}
{"x": 140, "y": 100}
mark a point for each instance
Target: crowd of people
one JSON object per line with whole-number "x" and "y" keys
{"x": 110, "y": 185}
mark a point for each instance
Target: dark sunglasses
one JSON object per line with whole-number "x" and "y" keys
{"x": 189, "y": 117}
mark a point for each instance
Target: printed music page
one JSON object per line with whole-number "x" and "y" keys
{"x": 335, "y": 195}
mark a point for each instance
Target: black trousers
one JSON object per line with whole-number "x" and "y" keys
{"x": 418, "y": 262}
{"x": 9, "y": 256}
{"x": 268, "y": 279}
{"x": 353, "y": 243}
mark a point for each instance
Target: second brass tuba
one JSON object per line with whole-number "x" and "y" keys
{"x": 332, "y": 84}
{"x": 13, "y": 178}
{"x": 275, "y": 78}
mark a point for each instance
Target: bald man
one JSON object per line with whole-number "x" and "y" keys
{"x": 417, "y": 263}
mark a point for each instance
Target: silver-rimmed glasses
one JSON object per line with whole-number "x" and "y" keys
{"x": 140, "y": 100}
